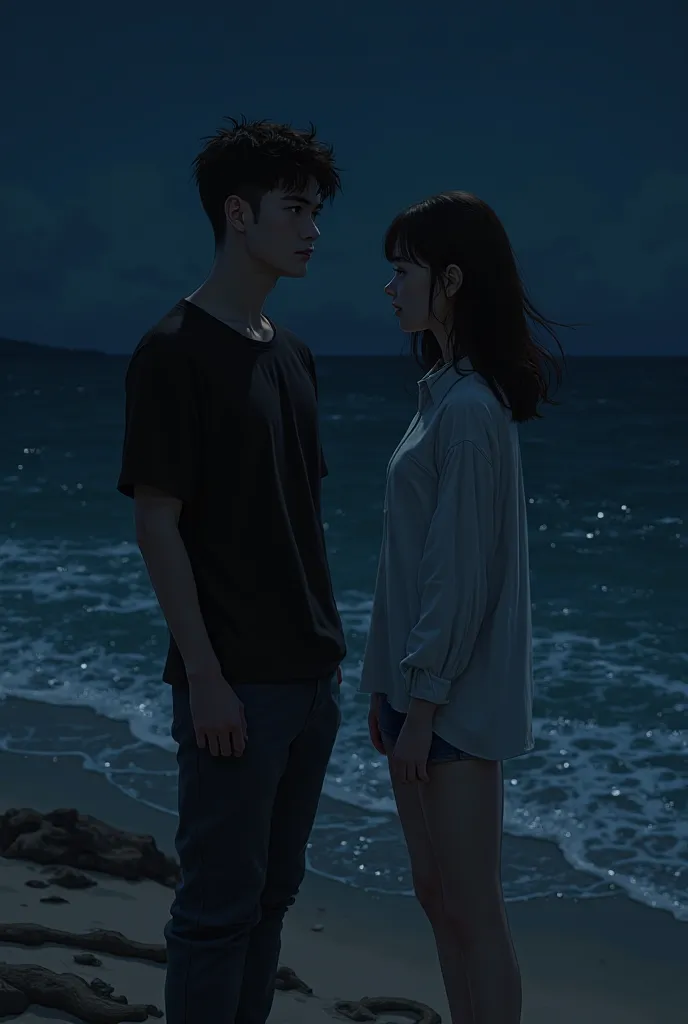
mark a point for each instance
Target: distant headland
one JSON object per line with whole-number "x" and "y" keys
{"x": 27, "y": 349}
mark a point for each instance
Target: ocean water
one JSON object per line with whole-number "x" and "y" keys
{"x": 607, "y": 484}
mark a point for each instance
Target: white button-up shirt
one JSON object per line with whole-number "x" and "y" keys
{"x": 451, "y": 619}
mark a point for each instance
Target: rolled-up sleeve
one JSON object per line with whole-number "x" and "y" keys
{"x": 453, "y": 575}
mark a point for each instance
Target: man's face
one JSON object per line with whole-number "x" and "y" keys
{"x": 286, "y": 232}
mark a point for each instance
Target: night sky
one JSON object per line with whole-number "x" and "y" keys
{"x": 568, "y": 118}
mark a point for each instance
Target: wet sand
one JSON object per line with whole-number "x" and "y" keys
{"x": 607, "y": 960}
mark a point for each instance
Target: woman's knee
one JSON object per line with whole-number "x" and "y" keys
{"x": 468, "y": 918}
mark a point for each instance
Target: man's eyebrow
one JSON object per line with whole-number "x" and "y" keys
{"x": 300, "y": 199}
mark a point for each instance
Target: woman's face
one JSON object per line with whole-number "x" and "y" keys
{"x": 409, "y": 291}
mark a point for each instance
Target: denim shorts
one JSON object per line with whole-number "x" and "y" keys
{"x": 391, "y": 721}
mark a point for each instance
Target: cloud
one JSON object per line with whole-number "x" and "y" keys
{"x": 642, "y": 252}
{"x": 107, "y": 261}
{"x": 121, "y": 241}
{"x": 582, "y": 252}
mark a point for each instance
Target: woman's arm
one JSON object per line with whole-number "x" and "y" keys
{"x": 452, "y": 578}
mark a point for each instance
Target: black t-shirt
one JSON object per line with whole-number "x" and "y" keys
{"x": 230, "y": 427}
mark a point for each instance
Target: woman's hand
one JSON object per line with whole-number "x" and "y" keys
{"x": 374, "y": 724}
{"x": 409, "y": 760}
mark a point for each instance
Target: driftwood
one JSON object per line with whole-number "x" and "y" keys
{"x": 98, "y": 941}
{"x": 370, "y": 1007}
{"x": 24, "y": 984}
{"x": 12, "y": 1000}
{"x": 69, "y": 839}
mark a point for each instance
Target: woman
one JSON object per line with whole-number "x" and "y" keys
{"x": 448, "y": 660}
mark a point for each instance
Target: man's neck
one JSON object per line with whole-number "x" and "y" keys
{"x": 235, "y": 296}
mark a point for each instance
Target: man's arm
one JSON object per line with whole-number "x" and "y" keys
{"x": 324, "y": 470}
{"x": 157, "y": 533}
{"x": 160, "y": 463}
{"x": 160, "y": 459}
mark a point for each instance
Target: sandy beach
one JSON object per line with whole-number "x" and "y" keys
{"x": 607, "y": 960}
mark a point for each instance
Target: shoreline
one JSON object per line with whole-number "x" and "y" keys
{"x": 602, "y": 961}
{"x": 520, "y": 852}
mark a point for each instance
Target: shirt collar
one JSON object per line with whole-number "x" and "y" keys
{"x": 441, "y": 379}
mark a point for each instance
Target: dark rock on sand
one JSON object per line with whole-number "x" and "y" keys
{"x": 70, "y": 839}
{"x": 289, "y": 981}
{"x": 87, "y": 960}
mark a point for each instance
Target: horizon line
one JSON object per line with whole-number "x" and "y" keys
{"x": 363, "y": 354}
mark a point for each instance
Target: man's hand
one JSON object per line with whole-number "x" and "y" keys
{"x": 409, "y": 759}
{"x": 217, "y": 713}
{"x": 374, "y": 724}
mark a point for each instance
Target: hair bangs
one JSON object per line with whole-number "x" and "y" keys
{"x": 404, "y": 238}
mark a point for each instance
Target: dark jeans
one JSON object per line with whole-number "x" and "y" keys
{"x": 244, "y": 823}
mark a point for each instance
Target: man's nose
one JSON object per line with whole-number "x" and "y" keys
{"x": 312, "y": 232}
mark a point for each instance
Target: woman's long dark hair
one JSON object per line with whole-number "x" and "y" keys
{"x": 493, "y": 321}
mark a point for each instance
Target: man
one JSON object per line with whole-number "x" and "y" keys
{"x": 222, "y": 457}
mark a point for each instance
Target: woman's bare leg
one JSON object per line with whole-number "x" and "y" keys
{"x": 427, "y": 884}
{"x": 462, "y": 807}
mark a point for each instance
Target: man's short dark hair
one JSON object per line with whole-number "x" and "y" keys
{"x": 255, "y": 157}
